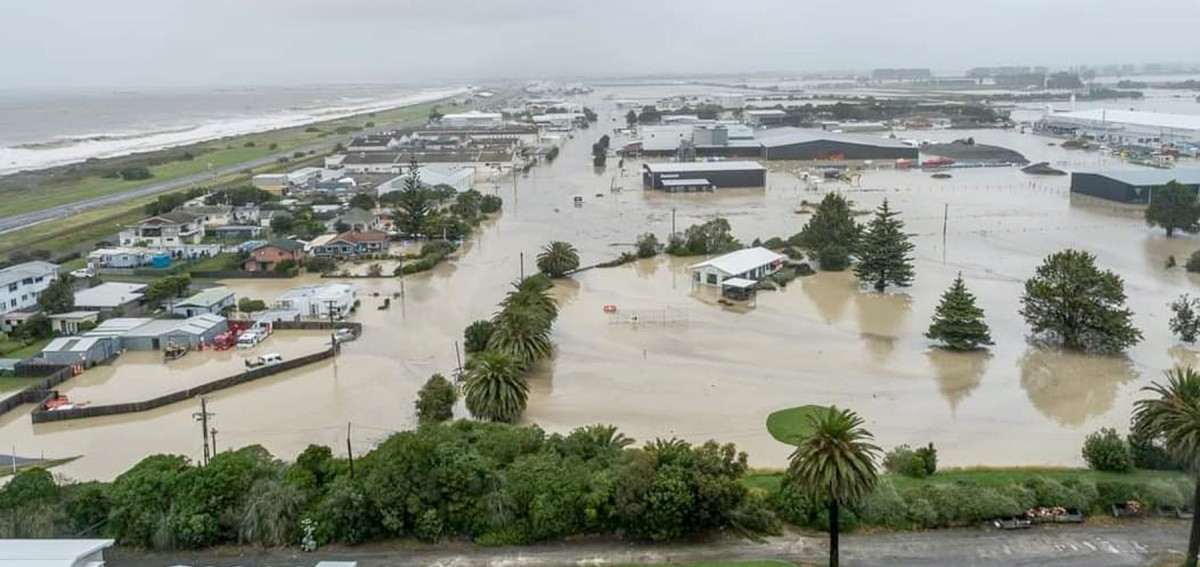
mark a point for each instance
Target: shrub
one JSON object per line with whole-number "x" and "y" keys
{"x": 1193, "y": 263}
{"x": 928, "y": 454}
{"x": 1024, "y": 497}
{"x": 320, "y": 265}
{"x": 795, "y": 507}
{"x": 1085, "y": 490}
{"x": 1111, "y": 492}
{"x": 1048, "y": 492}
{"x": 247, "y": 305}
{"x": 435, "y": 400}
{"x": 833, "y": 258}
{"x": 135, "y": 173}
{"x": 285, "y": 266}
{"x": 1104, "y": 450}
{"x": 922, "y": 513}
{"x": 490, "y": 204}
{"x": 903, "y": 460}
{"x": 647, "y": 245}
{"x": 987, "y": 504}
{"x": 885, "y": 507}
{"x": 1161, "y": 494}
{"x": 437, "y": 247}
{"x": 429, "y": 526}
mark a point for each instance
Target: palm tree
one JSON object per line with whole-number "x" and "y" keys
{"x": 522, "y": 333}
{"x": 558, "y": 258}
{"x": 494, "y": 387}
{"x": 531, "y": 295}
{"x": 1174, "y": 416}
{"x": 835, "y": 464}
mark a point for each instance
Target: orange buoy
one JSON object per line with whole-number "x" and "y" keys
{"x": 610, "y": 308}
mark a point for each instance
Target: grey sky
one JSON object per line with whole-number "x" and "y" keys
{"x": 230, "y": 42}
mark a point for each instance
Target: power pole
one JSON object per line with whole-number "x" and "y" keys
{"x": 945, "y": 222}
{"x": 522, "y": 266}
{"x": 349, "y": 450}
{"x": 672, "y": 224}
{"x": 458, "y": 357}
{"x": 213, "y": 433}
{"x": 202, "y": 417}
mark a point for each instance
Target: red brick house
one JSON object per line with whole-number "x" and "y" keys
{"x": 266, "y": 257}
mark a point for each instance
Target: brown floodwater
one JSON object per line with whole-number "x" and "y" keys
{"x": 690, "y": 367}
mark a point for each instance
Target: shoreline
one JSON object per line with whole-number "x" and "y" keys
{"x": 20, "y": 160}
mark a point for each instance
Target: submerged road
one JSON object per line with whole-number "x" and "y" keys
{"x": 1128, "y": 544}
{"x": 14, "y": 222}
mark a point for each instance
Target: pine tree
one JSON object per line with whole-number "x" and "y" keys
{"x": 958, "y": 323}
{"x": 883, "y": 252}
{"x": 414, "y": 200}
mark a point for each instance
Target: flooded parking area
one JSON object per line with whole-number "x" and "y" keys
{"x": 690, "y": 367}
{"x": 142, "y": 375}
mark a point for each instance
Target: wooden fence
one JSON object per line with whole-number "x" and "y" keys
{"x": 40, "y": 415}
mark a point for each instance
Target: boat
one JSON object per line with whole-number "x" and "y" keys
{"x": 941, "y": 175}
{"x": 174, "y": 351}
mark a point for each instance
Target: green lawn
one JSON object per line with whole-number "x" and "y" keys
{"x": 211, "y": 264}
{"x": 26, "y": 351}
{"x": 14, "y": 384}
{"x": 791, "y": 425}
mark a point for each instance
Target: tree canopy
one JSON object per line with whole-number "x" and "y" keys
{"x": 1174, "y": 207}
{"x": 884, "y": 252}
{"x": 1071, "y": 301}
{"x": 832, "y": 225}
{"x": 59, "y": 296}
{"x": 958, "y": 323}
{"x": 558, "y": 258}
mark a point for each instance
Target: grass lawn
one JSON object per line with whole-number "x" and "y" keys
{"x": 27, "y": 351}
{"x": 211, "y": 264}
{"x": 791, "y": 425}
{"x": 14, "y": 384}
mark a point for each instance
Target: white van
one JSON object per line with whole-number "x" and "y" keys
{"x": 264, "y": 360}
{"x": 249, "y": 339}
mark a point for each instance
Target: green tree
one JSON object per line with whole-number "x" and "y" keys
{"x": 711, "y": 237}
{"x": 631, "y": 118}
{"x": 523, "y": 334}
{"x": 647, "y": 245}
{"x": 1174, "y": 207}
{"x": 435, "y": 400}
{"x": 434, "y": 115}
{"x": 831, "y": 225}
{"x": 362, "y": 201}
{"x": 1173, "y": 414}
{"x": 958, "y": 323}
{"x": 414, "y": 208}
{"x": 476, "y": 335}
{"x": 489, "y": 204}
{"x": 167, "y": 287}
{"x": 1071, "y": 301}
{"x": 271, "y": 513}
{"x": 1185, "y": 318}
{"x": 247, "y": 305}
{"x": 835, "y": 465}
{"x": 883, "y": 253}
{"x": 494, "y": 388}
{"x": 1105, "y": 450}
{"x": 282, "y": 223}
{"x": 558, "y": 258}
{"x": 59, "y": 296}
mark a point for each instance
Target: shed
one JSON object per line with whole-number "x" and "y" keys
{"x": 1134, "y": 186}
{"x": 716, "y": 173}
{"x": 802, "y": 144}
{"x": 213, "y": 301}
{"x": 75, "y": 350}
{"x": 53, "y": 552}
{"x": 750, "y": 264}
{"x": 686, "y": 185}
{"x": 190, "y": 332}
{"x": 68, "y": 323}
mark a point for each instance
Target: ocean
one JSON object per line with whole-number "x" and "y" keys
{"x": 48, "y": 128}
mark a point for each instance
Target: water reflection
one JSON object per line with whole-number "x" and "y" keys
{"x": 830, "y": 292}
{"x": 1070, "y": 387}
{"x": 1183, "y": 356}
{"x": 958, "y": 373}
{"x": 646, "y": 268}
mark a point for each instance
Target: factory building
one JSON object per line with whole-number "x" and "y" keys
{"x": 801, "y": 145}
{"x": 1124, "y": 127}
{"x": 1134, "y": 186}
{"x": 705, "y": 175}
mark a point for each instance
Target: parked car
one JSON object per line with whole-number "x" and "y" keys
{"x": 249, "y": 339}
{"x": 83, "y": 273}
{"x": 344, "y": 334}
{"x": 269, "y": 358}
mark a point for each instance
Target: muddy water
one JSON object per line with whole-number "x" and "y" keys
{"x": 694, "y": 369}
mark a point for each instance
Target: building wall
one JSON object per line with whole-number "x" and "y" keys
{"x": 1095, "y": 185}
{"x": 829, "y": 149}
{"x": 266, "y": 257}
{"x": 719, "y": 179}
{"x": 24, "y": 293}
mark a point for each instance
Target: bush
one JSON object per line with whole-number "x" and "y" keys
{"x": 1161, "y": 494}
{"x": 833, "y": 258}
{"x": 885, "y": 507}
{"x": 903, "y": 460}
{"x": 928, "y": 454}
{"x": 320, "y": 265}
{"x": 647, "y": 245}
{"x": 247, "y": 305}
{"x": 437, "y": 247}
{"x": 429, "y": 526}
{"x": 135, "y": 173}
{"x": 435, "y": 400}
{"x": 921, "y": 513}
{"x": 1048, "y": 492}
{"x": 1104, "y": 450}
{"x": 285, "y": 266}
{"x": 490, "y": 204}
{"x": 1193, "y": 263}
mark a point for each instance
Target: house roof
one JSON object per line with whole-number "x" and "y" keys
{"x": 49, "y": 552}
{"x": 109, "y": 294}
{"x": 27, "y": 270}
{"x": 206, "y": 298}
{"x": 173, "y": 217}
{"x": 285, "y": 244}
{"x": 703, "y": 166}
{"x": 74, "y": 316}
{"x": 355, "y": 237}
{"x": 328, "y": 291}
{"x": 358, "y": 216}
{"x": 741, "y": 261}
{"x": 776, "y": 137}
{"x": 1150, "y": 177}
{"x": 322, "y": 240}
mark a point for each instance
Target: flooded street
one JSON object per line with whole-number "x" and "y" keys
{"x": 690, "y": 367}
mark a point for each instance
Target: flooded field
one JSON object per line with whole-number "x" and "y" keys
{"x": 691, "y": 368}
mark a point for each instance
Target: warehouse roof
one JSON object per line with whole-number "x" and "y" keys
{"x": 109, "y": 294}
{"x": 1140, "y": 118}
{"x": 704, "y": 166}
{"x": 197, "y": 325}
{"x": 207, "y": 298}
{"x": 71, "y": 344}
{"x": 741, "y": 261}
{"x": 1145, "y": 177}
{"x": 117, "y": 327}
{"x": 776, "y": 137}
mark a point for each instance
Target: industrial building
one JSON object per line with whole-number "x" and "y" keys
{"x": 803, "y": 145}
{"x": 715, "y": 174}
{"x": 110, "y": 297}
{"x": 319, "y": 301}
{"x": 87, "y": 351}
{"x": 1134, "y": 186}
{"x": 709, "y": 139}
{"x": 158, "y": 333}
{"x": 1124, "y": 127}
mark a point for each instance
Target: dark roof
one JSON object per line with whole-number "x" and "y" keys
{"x": 173, "y": 217}
{"x": 355, "y": 236}
{"x": 371, "y": 157}
{"x": 1151, "y": 177}
{"x": 286, "y": 245}
{"x": 776, "y": 137}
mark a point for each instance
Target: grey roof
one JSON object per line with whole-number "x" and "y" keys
{"x": 206, "y": 298}
{"x": 704, "y": 166}
{"x": 72, "y": 344}
{"x": 175, "y": 217}
{"x": 27, "y": 270}
{"x": 193, "y": 325}
{"x": 109, "y": 294}
{"x": 1150, "y": 177}
{"x": 117, "y": 327}
{"x": 776, "y": 137}
{"x": 358, "y": 216}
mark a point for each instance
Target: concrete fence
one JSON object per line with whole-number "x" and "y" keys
{"x": 40, "y": 415}
{"x": 38, "y": 392}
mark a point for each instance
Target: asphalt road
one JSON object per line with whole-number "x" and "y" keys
{"x": 17, "y": 221}
{"x": 1130, "y": 543}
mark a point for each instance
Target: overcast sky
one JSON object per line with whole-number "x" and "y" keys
{"x": 143, "y": 43}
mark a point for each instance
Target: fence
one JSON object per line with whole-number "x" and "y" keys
{"x": 39, "y": 391}
{"x": 317, "y": 326}
{"x": 231, "y": 274}
{"x": 40, "y": 415}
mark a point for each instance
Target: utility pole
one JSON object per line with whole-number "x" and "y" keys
{"x": 522, "y": 266}
{"x": 458, "y": 357}
{"x": 349, "y": 450}
{"x": 945, "y": 222}
{"x": 332, "y": 332}
{"x": 213, "y": 433}
{"x": 202, "y": 417}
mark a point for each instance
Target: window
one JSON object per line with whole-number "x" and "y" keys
{"x": 712, "y": 279}
{"x": 12, "y": 287}
{"x": 27, "y": 281}
{"x": 696, "y": 276}
{"x": 12, "y": 303}
{"x": 39, "y": 279}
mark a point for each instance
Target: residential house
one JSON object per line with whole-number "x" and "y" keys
{"x": 20, "y": 285}
{"x": 211, "y": 301}
{"x": 73, "y": 322}
{"x": 120, "y": 258}
{"x": 169, "y": 230}
{"x": 266, "y": 257}
{"x": 358, "y": 220}
{"x": 751, "y": 264}
{"x": 238, "y": 232}
{"x": 214, "y": 215}
{"x": 113, "y": 298}
{"x": 350, "y": 243}
{"x": 319, "y": 301}
{"x": 13, "y": 319}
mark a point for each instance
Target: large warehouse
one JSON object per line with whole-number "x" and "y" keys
{"x": 703, "y": 175}
{"x": 800, "y": 144}
{"x": 1124, "y": 127}
{"x": 1135, "y": 186}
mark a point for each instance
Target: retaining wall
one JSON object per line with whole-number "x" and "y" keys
{"x": 40, "y": 415}
{"x": 37, "y": 392}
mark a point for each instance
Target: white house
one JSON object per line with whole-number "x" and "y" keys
{"x": 21, "y": 285}
{"x": 748, "y": 264}
{"x": 168, "y": 230}
{"x": 109, "y": 297}
{"x": 319, "y": 300}
{"x": 473, "y": 118}
{"x": 119, "y": 258}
